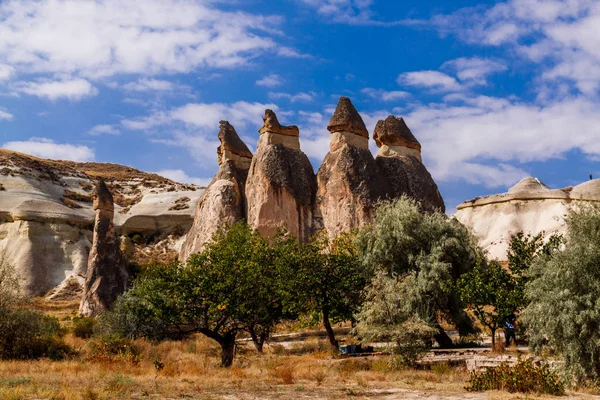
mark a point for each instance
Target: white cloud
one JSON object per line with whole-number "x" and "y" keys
{"x": 384, "y": 95}
{"x": 351, "y": 12}
{"x": 147, "y": 85}
{"x": 179, "y": 175}
{"x": 271, "y": 80}
{"x": 47, "y": 148}
{"x": 104, "y": 130}
{"x": 429, "y": 79}
{"x": 6, "y": 71}
{"x": 294, "y": 98}
{"x": 4, "y": 115}
{"x": 474, "y": 70}
{"x": 100, "y": 38}
{"x": 73, "y": 89}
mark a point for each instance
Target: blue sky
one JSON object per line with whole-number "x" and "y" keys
{"x": 494, "y": 90}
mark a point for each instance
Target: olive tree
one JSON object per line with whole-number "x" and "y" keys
{"x": 431, "y": 250}
{"x": 564, "y": 295}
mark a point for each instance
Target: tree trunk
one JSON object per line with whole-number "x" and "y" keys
{"x": 227, "y": 349}
{"x": 334, "y": 343}
{"x": 493, "y": 339}
{"x": 443, "y": 339}
{"x": 258, "y": 341}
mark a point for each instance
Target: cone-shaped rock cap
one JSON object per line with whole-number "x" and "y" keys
{"x": 393, "y": 131}
{"x": 529, "y": 185}
{"x": 102, "y": 197}
{"x": 231, "y": 141}
{"x": 346, "y": 118}
{"x": 271, "y": 124}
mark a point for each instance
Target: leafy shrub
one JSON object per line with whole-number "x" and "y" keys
{"x": 83, "y": 327}
{"x": 524, "y": 377}
{"x": 28, "y": 334}
{"x": 113, "y": 348}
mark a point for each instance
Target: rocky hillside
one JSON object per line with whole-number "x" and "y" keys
{"x": 46, "y": 214}
{"x": 529, "y": 206}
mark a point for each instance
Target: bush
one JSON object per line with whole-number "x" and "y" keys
{"x": 28, "y": 334}
{"x": 524, "y": 377}
{"x": 83, "y": 327}
{"x": 113, "y": 348}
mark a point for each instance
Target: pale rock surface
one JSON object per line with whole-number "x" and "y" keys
{"x": 223, "y": 201}
{"x": 48, "y": 242}
{"x": 281, "y": 184}
{"x": 399, "y": 159}
{"x": 529, "y": 206}
{"x": 107, "y": 275}
{"x": 349, "y": 180}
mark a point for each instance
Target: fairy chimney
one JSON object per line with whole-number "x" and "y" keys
{"x": 223, "y": 201}
{"x": 281, "y": 185}
{"x": 107, "y": 273}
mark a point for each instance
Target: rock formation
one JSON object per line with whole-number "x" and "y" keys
{"x": 281, "y": 185}
{"x": 529, "y": 206}
{"x": 223, "y": 201}
{"x": 349, "y": 180}
{"x": 399, "y": 158}
{"x": 46, "y": 215}
{"x": 107, "y": 273}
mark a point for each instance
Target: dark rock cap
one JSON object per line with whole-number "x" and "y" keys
{"x": 231, "y": 141}
{"x": 102, "y": 197}
{"x": 271, "y": 124}
{"x": 346, "y": 118}
{"x": 394, "y": 132}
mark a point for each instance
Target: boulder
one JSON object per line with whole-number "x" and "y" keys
{"x": 349, "y": 180}
{"x": 107, "y": 273}
{"x": 281, "y": 185}
{"x": 399, "y": 158}
{"x": 223, "y": 201}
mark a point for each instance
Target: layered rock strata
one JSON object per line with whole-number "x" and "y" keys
{"x": 223, "y": 201}
{"x": 530, "y": 206}
{"x": 399, "y": 158}
{"x": 281, "y": 185}
{"x": 349, "y": 180}
{"x": 47, "y": 220}
{"x": 107, "y": 273}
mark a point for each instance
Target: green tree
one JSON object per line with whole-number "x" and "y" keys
{"x": 490, "y": 292}
{"x": 564, "y": 294}
{"x": 430, "y": 249}
{"x": 324, "y": 279}
{"x": 231, "y": 286}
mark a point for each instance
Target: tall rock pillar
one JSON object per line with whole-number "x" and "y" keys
{"x": 223, "y": 201}
{"x": 399, "y": 158}
{"x": 107, "y": 273}
{"x": 349, "y": 180}
{"x": 281, "y": 184}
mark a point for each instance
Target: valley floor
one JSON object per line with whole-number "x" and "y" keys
{"x": 299, "y": 369}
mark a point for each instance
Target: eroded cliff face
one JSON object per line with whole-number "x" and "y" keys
{"x": 223, "y": 202}
{"x": 46, "y": 215}
{"x": 529, "y": 206}
{"x": 281, "y": 184}
{"x": 349, "y": 180}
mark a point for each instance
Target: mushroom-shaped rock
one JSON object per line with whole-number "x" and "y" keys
{"x": 232, "y": 147}
{"x": 347, "y": 127}
{"x": 272, "y": 132}
{"x": 281, "y": 185}
{"x": 107, "y": 273}
{"x": 393, "y": 136}
{"x": 399, "y": 159}
{"x": 349, "y": 180}
{"x": 223, "y": 202}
